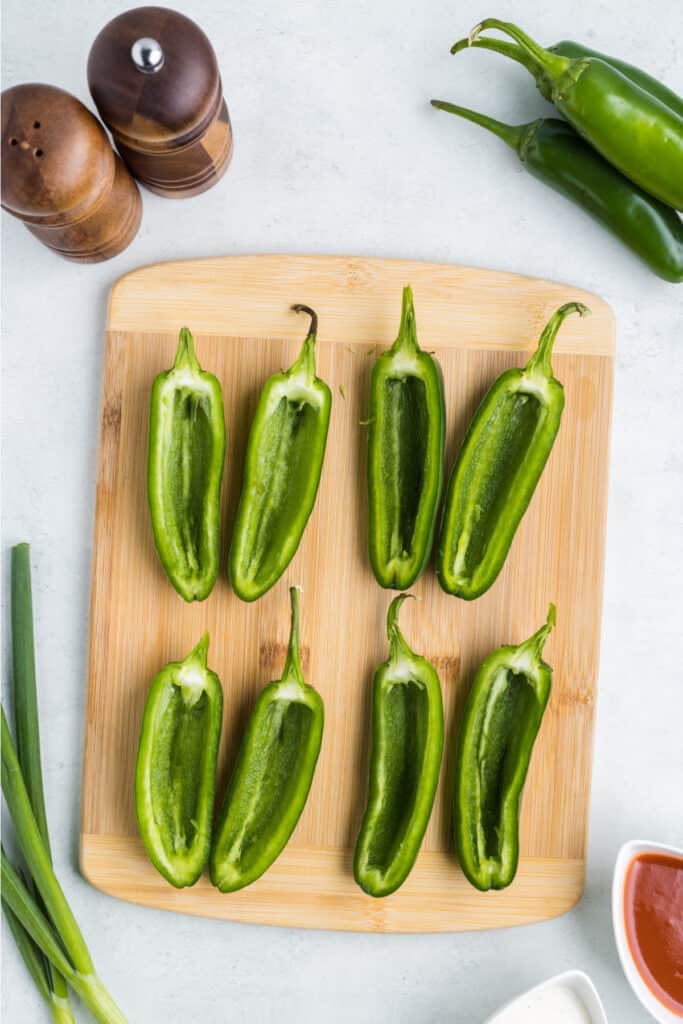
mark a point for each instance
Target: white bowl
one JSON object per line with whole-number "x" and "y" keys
{"x": 576, "y": 980}
{"x": 626, "y": 854}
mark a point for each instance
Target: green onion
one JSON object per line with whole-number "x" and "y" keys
{"x": 29, "y": 951}
{"x": 87, "y": 985}
{"x": 58, "y": 1005}
{"x": 28, "y": 751}
{"x": 76, "y": 964}
{"x": 25, "y": 697}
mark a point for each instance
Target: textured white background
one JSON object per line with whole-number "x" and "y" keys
{"x": 338, "y": 151}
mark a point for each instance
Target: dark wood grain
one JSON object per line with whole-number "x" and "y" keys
{"x": 62, "y": 178}
{"x": 172, "y": 126}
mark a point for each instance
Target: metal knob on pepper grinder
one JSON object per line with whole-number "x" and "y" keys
{"x": 154, "y": 78}
{"x": 61, "y": 177}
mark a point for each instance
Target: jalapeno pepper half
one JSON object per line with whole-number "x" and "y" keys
{"x": 405, "y": 456}
{"x": 554, "y": 153}
{"x": 631, "y": 127}
{"x": 501, "y": 720}
{"x": 175, "y": 775}
{"x": 185, "y": 470}
{"x": 272, "y": 776}
{"x": 575, "y": 51}
{"x": 282, "y": 472}
{"x": 498, "y": 467}
{"x": 407, "y": 742}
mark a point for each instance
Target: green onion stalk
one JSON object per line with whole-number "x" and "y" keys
{"x": 50, "y": 983}
{"x": 38, "y": 914}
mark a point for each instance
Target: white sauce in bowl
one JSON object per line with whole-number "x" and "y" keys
{"x": 557, "y": 1004}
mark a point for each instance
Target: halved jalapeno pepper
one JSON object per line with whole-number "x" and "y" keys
{"x": 405, "y": 456}
{"x": 501, "y": 720}
{"x": 498, "y": 467}
{"x": 407, "y": 742}
{"x": 282, "y": 472}
{"x": 272, "y": 776}
{"x": 175, "y": 775}
{"x": 185, "y": 470}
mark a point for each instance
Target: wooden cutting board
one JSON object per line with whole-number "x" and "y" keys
{"x": 478, "y": 322}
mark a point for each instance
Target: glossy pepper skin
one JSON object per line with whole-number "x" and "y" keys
{"x": 282, "y": 472}
{"x": 576, "y": 51}
{"x": 555, "y": 154}
{"x": 272, "y": 776}
{"x": 634, "y": 130}
{"x": 185, "y": 470}
{"x": 498, "y": 467}
{"x": 407, "y": 743}
{"x": 500, "y": 723}
{"x": 405, "y": 456}
{"x": 175, "y": 774}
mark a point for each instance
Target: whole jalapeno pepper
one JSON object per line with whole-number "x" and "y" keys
{"x": 498, "y": 467}
{"x": 272, "y": 776}
{"x": 632, "y": 129}
{"x": 575, "y": 51}
{"x": 405, "y": 456}
{"x": 555, "y": 154}
{"x": 282, "y": 472}
{"x": 175, "y": 774}
{"x": 407, "y": 742}
{"x": 500, "y": 723}
{"x": 185, "y": 470}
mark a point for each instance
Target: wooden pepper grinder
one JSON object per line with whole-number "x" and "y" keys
{"x": 154, "y": 78}
{"x": 62, "y": 178}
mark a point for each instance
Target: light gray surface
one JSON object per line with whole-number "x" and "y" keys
{"x": 337, "y": 151}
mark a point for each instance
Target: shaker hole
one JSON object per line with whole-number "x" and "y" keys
{"x": 37, "y": 152}
{"x": 36, "y": 124}
{"x": 13, "y": 142}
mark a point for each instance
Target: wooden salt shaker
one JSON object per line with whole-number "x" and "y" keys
{"x": 154, "y": 78}
{"x": 62, "y": 178}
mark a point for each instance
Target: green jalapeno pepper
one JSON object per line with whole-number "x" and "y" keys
{"x": 576, "y": 51}
{"x": 498, "y": 467}
{"x": 175, "y": 775}
{"x": 407, "y": 742}
{"x": 272, "y": 776}
{"x": 185, "y": 470}
{"x": 282, "y": 472}
{"x": 501, "y": 720}
{"x": 405, "y": 456}
{"x": 554, "y": 153}
{"x": 632, "y": 128}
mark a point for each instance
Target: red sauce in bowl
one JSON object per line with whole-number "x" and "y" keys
{"x": 653, "y": 912}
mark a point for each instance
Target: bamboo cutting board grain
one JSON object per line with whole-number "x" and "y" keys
{"x": 478, "y": 322}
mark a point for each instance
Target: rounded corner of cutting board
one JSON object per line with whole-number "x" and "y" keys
{"x": 87, "y": 863}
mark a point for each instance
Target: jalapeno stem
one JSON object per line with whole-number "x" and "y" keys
{"x": 185, "y": 356}
{"x": 535, "y": 644}
{"x": 299, "y": 307}
{"x": 305, "y": 364}
{"x": 293, "y": 662}
{"x": 501, "y": 46}
{"x": 398, "y": 647}
{"x": 199, "y": 654}
{"x": 540, "y": 360}
{"x": 406, "y": 339}
{"x": 547, "y": 61}
{"x": 511, "y": 134}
